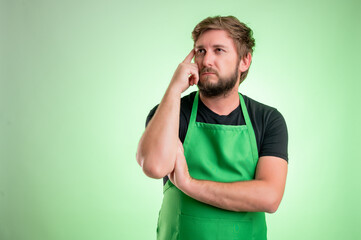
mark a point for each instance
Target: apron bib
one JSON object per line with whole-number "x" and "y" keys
{"x": 221, "y": 153}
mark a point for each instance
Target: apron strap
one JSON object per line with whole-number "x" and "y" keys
{"x": 194, "y": 110}
{"x": 252, "y": 136}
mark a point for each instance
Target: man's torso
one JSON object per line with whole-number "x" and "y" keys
{"x": 268, "y": 124}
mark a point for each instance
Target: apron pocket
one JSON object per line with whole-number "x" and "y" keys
{"x": 199, "y": 228}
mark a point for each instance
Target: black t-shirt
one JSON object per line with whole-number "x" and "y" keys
{"x": 268, "y": 124}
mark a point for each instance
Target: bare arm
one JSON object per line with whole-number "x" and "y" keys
{"x": 157, "y": 148}
{"x": 263, "y": 194}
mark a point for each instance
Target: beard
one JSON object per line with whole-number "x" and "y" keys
{"x": 222, "y": 87}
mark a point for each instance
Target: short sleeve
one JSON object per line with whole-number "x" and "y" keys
{"x": 275, "y": 142}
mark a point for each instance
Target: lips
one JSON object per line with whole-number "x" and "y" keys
{"x": 208, "y": 71}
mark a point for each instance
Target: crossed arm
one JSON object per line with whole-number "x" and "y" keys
{"x": 263, "y": 194}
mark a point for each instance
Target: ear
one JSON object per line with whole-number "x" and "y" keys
{"x": 245, "y": 62}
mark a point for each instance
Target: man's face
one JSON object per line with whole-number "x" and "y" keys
{"x": 218, "y": 63}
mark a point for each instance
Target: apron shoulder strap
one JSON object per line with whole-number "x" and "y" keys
{"x": 194, "y": 109}
{"x": 252, "y": 136}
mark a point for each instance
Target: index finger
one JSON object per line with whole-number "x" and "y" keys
{"x": 190, "y": 56}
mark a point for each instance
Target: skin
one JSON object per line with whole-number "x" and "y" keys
{"x": 160, "y": 152}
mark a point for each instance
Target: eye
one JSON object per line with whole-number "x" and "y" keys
{"x": 200, "y": 51}
{"x": 219, "y": 50}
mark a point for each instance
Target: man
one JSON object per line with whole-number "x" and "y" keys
{"x": 222, "y": 155}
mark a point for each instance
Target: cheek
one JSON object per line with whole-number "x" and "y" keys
{"x": 198, "y": 62}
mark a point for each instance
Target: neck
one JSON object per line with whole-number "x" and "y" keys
{"x": 223, "y": 104}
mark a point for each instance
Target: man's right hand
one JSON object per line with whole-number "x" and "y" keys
{"x": 158, "y": 146}
{"x": 186, "y": 74}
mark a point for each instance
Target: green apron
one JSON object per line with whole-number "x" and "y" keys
{"x": 222, "y": 153}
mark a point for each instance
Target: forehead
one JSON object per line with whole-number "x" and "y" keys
{"x": 215, "y": 37}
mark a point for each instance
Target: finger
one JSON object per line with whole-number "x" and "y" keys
{"x": 193, "y": 79}
{"x": 189, "y": 57}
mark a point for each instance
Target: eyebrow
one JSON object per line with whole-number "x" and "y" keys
{"x": 214, "y": 46}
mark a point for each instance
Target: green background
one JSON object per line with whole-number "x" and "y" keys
{"x": 78, "y": 79}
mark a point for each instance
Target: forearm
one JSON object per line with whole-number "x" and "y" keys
{"x": 157, "y": 147}
{"x": 243, "y": 196}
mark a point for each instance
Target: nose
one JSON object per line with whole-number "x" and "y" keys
{"x": 207, "y": 60}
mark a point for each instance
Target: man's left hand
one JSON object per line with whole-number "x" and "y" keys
{"x": 180, "y": 175}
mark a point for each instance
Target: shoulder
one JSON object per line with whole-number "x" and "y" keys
{"x": 270, "y": 127}
{"x": 256, "y": 105}
{"x": 261, "y": 112}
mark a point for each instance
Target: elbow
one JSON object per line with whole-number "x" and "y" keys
{"x": 156, "y": 162}
{"x": 272, "y": 204}
{"x": 272, "y": 208}
{"x": 151, "y": 166}
{"x": 153, "y": 171}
